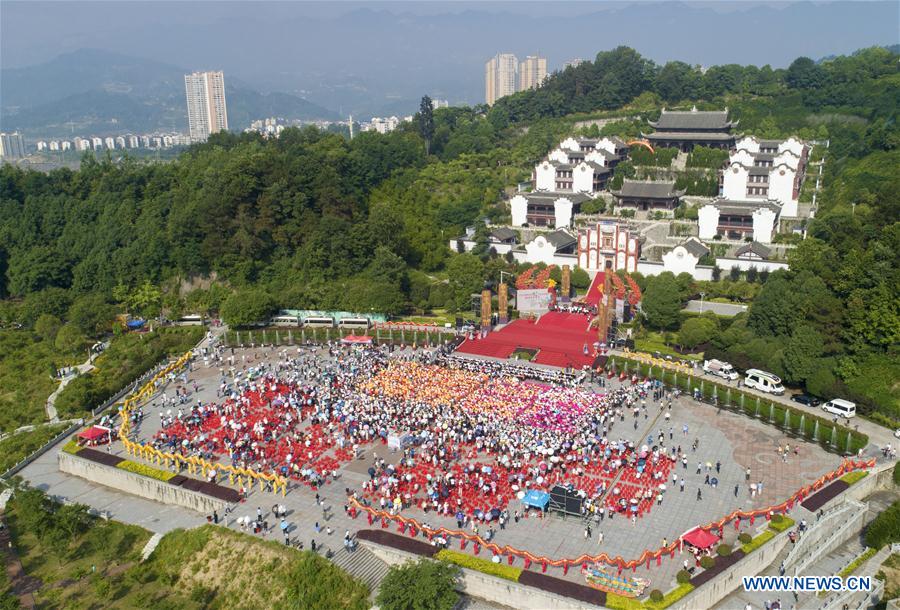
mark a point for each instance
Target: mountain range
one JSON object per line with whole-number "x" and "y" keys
{"x": 91, "y": 91}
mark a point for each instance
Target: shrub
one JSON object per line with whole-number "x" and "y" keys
{"x": 614, "y": 601}
{"x": 885, "y": 528}
{"x": 861, "y": 559}
{"x": 724, "y": 550}
{"x": 481, "y": 565}
{"x": 707, "y": 562}
{"x": 656, "y": 595}
{"x": 421, "y": 584}
{"x": 670, "y": 598}
{"x": 852, "y": 477}
{"x": 71, "y": 447}
{"x": 683, "y": 576}
{"x": 745, "y": 538}
{"x": 782, "y": 523}
{"x": 897, "y": 473}
{"x": 758, "y": 541}
{"x": 146, "y": 471}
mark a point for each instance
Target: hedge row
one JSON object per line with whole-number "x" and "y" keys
{"x": 481, "y": 565}
{"x": 783, "y": 416}
{"x": 144, "y": 470}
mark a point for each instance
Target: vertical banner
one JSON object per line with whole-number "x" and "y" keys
{"x": 485, "y": 309}
{"x": 566, "y": 282}
{"x": 502, "y": 297}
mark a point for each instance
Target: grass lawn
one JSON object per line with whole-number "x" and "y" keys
{"x": 207, "y": 567}
{"x": 19, "y": 446}
{"x": 26, "y": 364}
{"x": 653, "y": 342}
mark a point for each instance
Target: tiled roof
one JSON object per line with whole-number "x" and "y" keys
{"x": 693, "y": 119}
{"x": 560, "y": 239}
{"x": 756, "y": 248}
{"x": 695, "y": 247}
{"x": 647, "y": 190}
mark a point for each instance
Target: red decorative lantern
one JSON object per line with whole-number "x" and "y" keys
{"x": 462, "y": 544}
{"x": 510, "y": 559}
{"x": 477, "y": 548}
{"x": 527, "y": 563}
{"x": 566, "y": 567}
{"x": 544, "y": 567}
{"x": 369, "y": 516}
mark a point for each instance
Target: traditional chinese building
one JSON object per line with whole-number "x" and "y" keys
{"x": 739, "y": 219}
{"x": 686, "y": 129}
{"x": 766, "y": 169}
{"x": 546, "y": 209}
{"x": 647, "y": 195}
{"x": 608, "y": 245}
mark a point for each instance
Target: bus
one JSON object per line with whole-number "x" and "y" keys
{"x": 362, "y": 323}
{"x": 191, "y": 320}
{"x": 289, "y": 321}
{"x": 318, "y": 322}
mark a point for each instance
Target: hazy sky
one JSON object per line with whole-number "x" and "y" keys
{"x": 336, "y": 52}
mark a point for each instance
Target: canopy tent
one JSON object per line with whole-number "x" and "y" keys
{"x": 700, "y": 538}
{"x": 536, "y": 499}
{"x": 95, "y": 433}
{"x": 357, "y": 340}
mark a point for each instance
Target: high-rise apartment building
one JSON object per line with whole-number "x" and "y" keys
{"x": 12, "y": 145}
{"x": 206, "y": 104}
{"x": 500, "y": 77}
{"x": 532, "y": 72}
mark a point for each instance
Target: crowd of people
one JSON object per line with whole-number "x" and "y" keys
{"x": 472, "y": 435}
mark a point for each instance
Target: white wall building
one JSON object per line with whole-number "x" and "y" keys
{"x": 532, "y": 72}
{"x": 207, "y": 112}
{"x": 546, "y": 209}
{"x": 739, "y": 219}
{"x": 12, "y": 145}
{"x": 683, "y": 258}
{"x": 556, "y": 248}
{"x": 766, "y": 169}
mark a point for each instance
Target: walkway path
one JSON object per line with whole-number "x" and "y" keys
{"x": 82, "y": 368}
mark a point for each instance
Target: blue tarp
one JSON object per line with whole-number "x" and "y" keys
{"x": 536, "y": 499}
{"x": 135, "y": 324}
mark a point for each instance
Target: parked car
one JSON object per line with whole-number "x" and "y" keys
{"x": 806, "y": 399}
{"x": 841, "y": 407}
{"x": 764, "y": 382}
{"x": 720, "y": 369}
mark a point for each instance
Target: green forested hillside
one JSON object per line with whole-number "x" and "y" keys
{"x": 313, "y": 220}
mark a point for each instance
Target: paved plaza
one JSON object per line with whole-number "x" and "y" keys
{"x": 737, "y": 442}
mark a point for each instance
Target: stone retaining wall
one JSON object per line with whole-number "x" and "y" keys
{"x": 490, "y": 588}
{"x": 138, "y": 485}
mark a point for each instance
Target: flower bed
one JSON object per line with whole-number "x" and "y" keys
{"x": 146, "y": 471}
{"x": 72, "y": 447}
{"x": 820, "y": 498}
{"x": 481, "y": 565}
{"x": 395, "y": 541}
{"x": 851, "y": 567}
{"x": 722, "y": 564}
{"x": 562, "y": 587}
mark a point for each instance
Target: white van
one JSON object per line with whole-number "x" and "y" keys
{"x": 764, "y": 382}
{"x": 720, "y": 369}
{"x": 839, "y": 406}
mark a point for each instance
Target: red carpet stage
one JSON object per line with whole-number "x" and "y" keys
{"x": 595, "y": 292}
{"x": 559, "y": 338}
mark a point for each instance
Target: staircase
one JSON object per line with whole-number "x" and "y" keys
{"x": 150, "y": 546}
{"x": 362, "y": 563}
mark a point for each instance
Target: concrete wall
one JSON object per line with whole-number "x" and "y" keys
{"x": 490, "y": 588}
{"x": 711, "y": 593}
{"x": 725, "y": 264}
{"x": 138, "y": 485}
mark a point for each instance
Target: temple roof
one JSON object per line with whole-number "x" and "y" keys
{"x": 756, "y": 248}
{"x": 695, "y": 247}
{"x": 560, "y": 239}
{"x": 503, "y": 233}
{"x": 639, "y": 189}
{"x": 693, "y": 119}
{"x": 688, "y": 135}
{"x": 744, "y": 207}
{"x": 549, "y": 197}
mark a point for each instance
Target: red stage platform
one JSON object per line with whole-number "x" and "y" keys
{"x": 595, "y": 292}
{"x": 559, "y": 338}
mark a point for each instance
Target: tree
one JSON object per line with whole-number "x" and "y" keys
{"x": 662, "y": 301}
{"x": 47, "y": 326}
{"x": 426, "y": 122}
{"x": 466, "y": 275}
{"x": 734, "y": 274}
{"x": 247, "y": 307}
{"x": 421, "y": 585}
{"x": 804, "y": 73}
{"x": 696, "y": 331}
{"x": 91, "y": 314}
{"x": 752, "y": 274}
{"x": 69, "y": 339}
{"x": 580, "y": 279}
{"x": 801, "y": 353}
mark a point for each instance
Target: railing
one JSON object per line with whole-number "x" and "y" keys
{"x": 39, "y": 452}
{"x": 812, "y": 545}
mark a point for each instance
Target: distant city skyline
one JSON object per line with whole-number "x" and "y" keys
{"x": 505, "y": 75}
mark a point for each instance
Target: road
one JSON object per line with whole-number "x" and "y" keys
{"x": 722, "y": 309}
{"x": 878, "y": 435}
